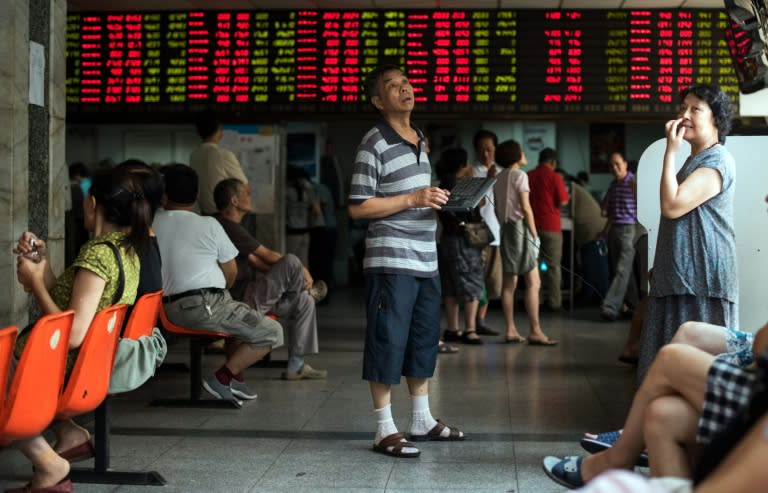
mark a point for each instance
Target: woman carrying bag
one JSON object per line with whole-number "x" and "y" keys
{"x": 519, "y": 243}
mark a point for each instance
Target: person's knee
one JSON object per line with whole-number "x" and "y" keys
{"x": 669, "y": 355}
{"x": 268, "y": 331}
{"x": 305, "y": 303}
{"x": 292, "y": 261}
{"x": 659, "y": 418}
{"x": 686, "y": 334}
{"x": 533, "y": 283}
{"x": 274, "y": 331}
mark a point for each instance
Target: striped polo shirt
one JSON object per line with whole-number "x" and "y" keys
{"x": 622, "y": 204}
{"x": 387, "y": 165}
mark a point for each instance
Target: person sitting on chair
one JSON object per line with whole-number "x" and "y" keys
{"x": 117, "y": 213}
{"x": 198, "y": 267}
{"x": 270, "y": 282}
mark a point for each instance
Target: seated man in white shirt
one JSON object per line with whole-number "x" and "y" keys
{"x": 270, "y": 282}
{"x": 198, "y": 267}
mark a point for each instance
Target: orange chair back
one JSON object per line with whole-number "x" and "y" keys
{"x": 34, "y": 391}
{"x": 89, "y": 380}
{"x": 7, "y": 340}
{"x": 184, "y": 331}
{"x": 144, "y": 316}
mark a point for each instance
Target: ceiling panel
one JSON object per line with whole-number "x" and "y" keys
{"x": 397, "y": 4}
{"x": 653, "y": 4}
{"x": 594, "y": 4}
{"x": 703, "y": 4}
{"x": 463, "y": 4}
{"x": 529, "y": 4}
{"x": 79, "y": 5}
{"x": 271, "y": 4}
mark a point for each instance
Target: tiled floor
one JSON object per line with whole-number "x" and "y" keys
{"x": 516, "y": 403}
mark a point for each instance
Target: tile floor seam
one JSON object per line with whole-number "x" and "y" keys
{"x": 271, "y": 465}
{"x": 326, "y": 435}
{"x": 322, "y": 404}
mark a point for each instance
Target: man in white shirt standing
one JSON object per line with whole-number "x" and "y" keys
{"x": 212, "y": 162}
{"x": 485, "y": 143}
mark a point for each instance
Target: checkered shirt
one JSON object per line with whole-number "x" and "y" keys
{"x": 729, "y": 389}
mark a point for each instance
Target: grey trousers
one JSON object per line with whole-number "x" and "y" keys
{"x": 281, "y": 291}
{"x": 621, "y": 248}
{"x": 552, "y": 254}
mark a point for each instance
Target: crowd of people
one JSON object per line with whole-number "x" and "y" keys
{"x": 699, "y": 412}
{"x": 145, "y": 233}
{"x": 694, "y": 389}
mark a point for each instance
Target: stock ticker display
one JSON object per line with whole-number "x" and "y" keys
{"x": 459, "y": 61}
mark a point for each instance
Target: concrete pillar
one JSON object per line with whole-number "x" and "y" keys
{"x": 33, "y": 174}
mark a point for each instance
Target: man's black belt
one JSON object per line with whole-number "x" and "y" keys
{"x": 191, "y": 292}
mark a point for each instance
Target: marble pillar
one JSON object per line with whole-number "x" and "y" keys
{"x": 33, "y": 175}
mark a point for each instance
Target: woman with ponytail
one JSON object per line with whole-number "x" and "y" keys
{"x": 117, "y": 213}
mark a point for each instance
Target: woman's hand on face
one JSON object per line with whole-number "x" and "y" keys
{"x": 675, "y": 133}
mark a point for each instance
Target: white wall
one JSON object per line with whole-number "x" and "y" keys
{"x": 751, "y": 219}
{"x": 161, "y": 144}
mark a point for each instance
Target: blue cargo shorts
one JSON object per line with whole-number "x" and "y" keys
{"x": 403, "y": 327}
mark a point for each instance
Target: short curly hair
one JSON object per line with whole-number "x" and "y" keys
{"x": 719, "y": 103}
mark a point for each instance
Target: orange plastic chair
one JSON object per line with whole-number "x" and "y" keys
{"x": 7, "y": 341}
{"x": 89, "y": 380}
{"x": 142, "y": 320}
{"x": 34, "y": 391}
{"x": 144, "y": 316}
{"x": 195, "y": 363}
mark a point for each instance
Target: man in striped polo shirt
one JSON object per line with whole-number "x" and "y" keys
{"x": 623, "y": 230}
{"x": 391, "y": 188}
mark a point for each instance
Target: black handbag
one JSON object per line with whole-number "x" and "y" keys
{"x": 478, "y": 234}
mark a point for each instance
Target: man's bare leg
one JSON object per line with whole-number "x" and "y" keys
{"x": 243, "y": 355}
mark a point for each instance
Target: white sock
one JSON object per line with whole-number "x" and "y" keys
{"x": 421, "y": 419}
{"x": 385, "y": 425}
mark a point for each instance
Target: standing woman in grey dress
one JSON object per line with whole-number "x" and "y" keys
{"x": 694, "y": 269}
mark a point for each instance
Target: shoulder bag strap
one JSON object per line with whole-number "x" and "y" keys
{"x": 121, "y": 279}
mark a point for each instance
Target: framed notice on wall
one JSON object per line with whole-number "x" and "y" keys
{"x": 604, "y": 140}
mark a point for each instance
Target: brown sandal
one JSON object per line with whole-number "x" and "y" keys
{"x": 394, "y": 444}
{"x": 543, "y": 342}
{"x": 435, "y": 434}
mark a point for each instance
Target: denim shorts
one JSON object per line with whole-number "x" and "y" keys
{"x": 403, "y": 327}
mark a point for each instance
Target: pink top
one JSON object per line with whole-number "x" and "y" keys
{"x": 509, "y": 184}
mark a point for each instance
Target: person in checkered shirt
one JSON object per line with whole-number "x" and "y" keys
{"x": 687, "y": 397}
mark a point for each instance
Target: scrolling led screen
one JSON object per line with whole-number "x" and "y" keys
{"x": 311, "y": 61}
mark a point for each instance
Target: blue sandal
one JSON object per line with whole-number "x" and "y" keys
{"x": 566, "y": 471}
{"x": 604, "y": 441}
